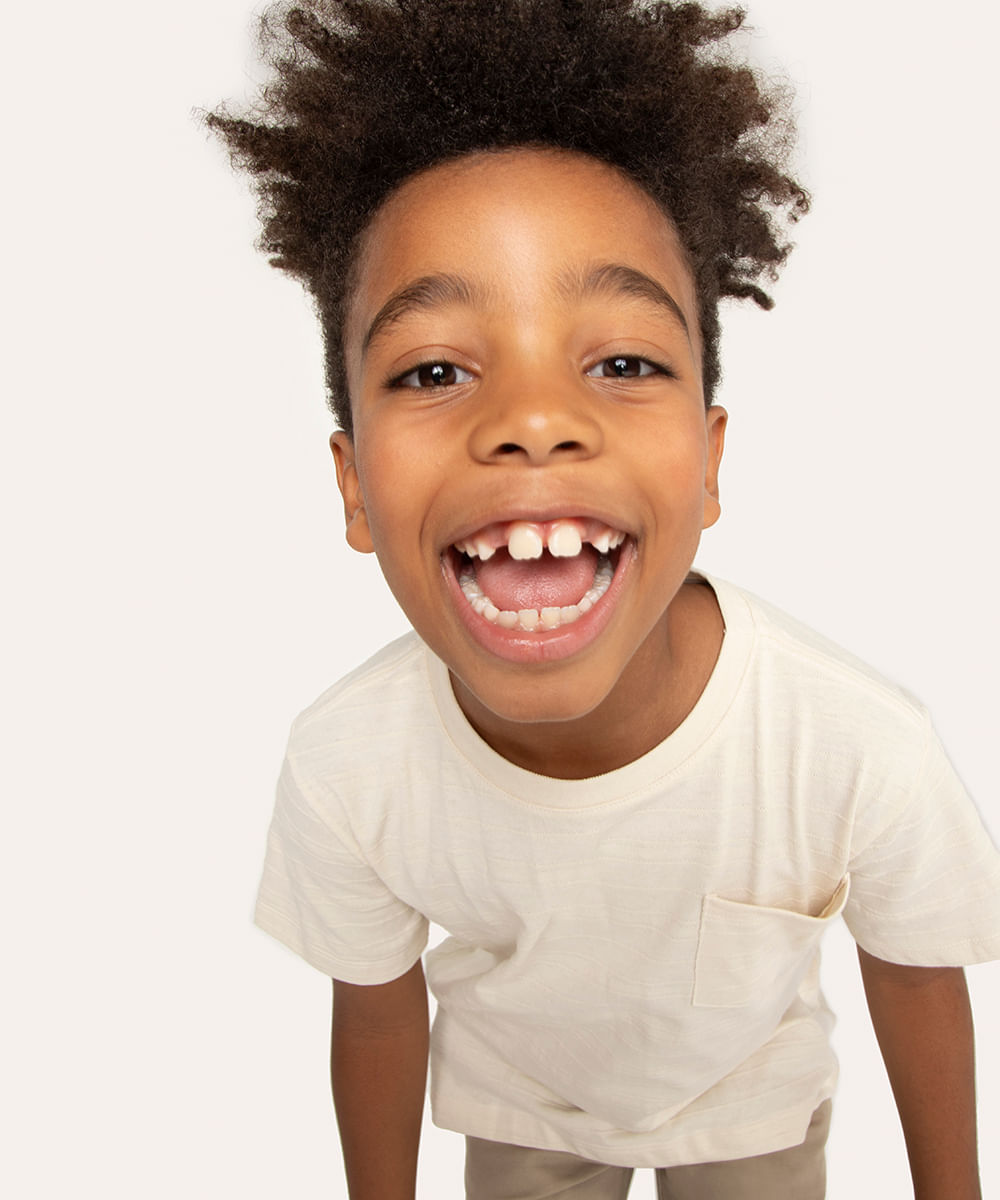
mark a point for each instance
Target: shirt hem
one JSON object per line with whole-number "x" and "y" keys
{"x": 385, "y": 970}
{"x": 779, "y": 1131}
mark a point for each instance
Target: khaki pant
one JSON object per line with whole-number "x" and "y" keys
{"x": 494, "y": 1171}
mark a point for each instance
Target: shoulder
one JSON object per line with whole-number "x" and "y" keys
{"x": 815, "y": 684}
{"x": 782, "y": 640}
{"x": 370, "y": 705}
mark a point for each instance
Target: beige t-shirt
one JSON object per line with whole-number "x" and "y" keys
{"x": 632, "y": 967}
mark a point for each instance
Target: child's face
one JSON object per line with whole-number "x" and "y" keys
{"x": 523, "y": 347}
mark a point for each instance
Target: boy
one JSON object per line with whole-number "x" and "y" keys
{"x": 634, "y": 797}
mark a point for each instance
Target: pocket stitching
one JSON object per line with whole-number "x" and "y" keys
{"x": 723, "y": 921}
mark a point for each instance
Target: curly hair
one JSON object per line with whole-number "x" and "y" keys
{"x": 366, "y": 93}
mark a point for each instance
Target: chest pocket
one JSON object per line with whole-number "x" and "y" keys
{"x": 747, "y": 953}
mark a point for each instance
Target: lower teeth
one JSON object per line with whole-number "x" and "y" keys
{"x": 530, "y": 619}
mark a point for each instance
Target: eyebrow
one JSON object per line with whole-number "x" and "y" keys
{"x": 616, "y": 279}
{"x": 433, "y": 291}
{"x": 429, "y": 291}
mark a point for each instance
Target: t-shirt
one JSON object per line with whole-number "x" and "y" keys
{"x": 631, "y": 971}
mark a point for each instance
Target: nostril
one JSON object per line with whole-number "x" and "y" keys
{"x": 507, "y": 448}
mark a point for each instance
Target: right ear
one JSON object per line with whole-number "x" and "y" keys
{"x": 358, "y": 534}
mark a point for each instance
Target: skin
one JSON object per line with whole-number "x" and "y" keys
{"x": 532, "y": 427}
{"x": 378, "y": 1071}
{"x": 923, "y": 1022}
{"x": 528, "y": 424}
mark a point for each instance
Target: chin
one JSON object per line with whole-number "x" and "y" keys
{"x": 532, "y": 703}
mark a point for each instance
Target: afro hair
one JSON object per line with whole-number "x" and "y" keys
{"x": 366, "y": 93}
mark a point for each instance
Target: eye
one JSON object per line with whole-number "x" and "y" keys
{"x": 624, "y": 366}
{"x": 432, "y": 375}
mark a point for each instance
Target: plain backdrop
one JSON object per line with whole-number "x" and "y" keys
{"x": 178, "y": 587}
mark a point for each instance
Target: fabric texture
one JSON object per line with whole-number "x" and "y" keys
{"x": 631, "y": 973}
{"x": 497, "y": 1172}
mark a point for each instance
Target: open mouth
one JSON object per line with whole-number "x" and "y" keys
{"x": 537, "y": 577}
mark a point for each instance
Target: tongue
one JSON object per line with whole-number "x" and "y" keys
{"x": 538, "y": 583}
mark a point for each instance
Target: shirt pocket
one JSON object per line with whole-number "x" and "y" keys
{"x": 749, "y": 954}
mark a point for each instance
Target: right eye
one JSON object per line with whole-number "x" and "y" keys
{"x": 433, "y": 375}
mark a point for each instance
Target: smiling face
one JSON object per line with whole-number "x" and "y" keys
{"x": 532, "y": 459}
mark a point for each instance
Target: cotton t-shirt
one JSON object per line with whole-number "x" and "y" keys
{"x": 631, "y": 972}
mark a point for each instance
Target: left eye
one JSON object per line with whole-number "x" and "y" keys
{"x": 435, "y": 374}
{"x": 623, "y": 366}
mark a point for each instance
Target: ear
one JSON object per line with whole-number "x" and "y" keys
{"x": 715, "y": 430}
{"x": 358, "y": 534}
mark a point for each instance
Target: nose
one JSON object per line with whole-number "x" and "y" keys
{"x": 535, "y": 427}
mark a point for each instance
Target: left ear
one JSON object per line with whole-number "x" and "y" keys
{"x": 715, "y": 431}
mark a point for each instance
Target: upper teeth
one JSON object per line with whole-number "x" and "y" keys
{"x": 565, "y": 540}
{"x": 527, "y": 539}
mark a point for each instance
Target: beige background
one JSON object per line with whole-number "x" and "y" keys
{"x": 178, "y": 586}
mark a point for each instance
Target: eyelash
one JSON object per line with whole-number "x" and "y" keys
{"x": 655, "y": 368}
{"x": 399, "y": 380}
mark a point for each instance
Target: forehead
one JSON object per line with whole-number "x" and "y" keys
{"x": 525, "y": 225}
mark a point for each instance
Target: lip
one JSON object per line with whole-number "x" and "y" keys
{"x": 542, "y": 645}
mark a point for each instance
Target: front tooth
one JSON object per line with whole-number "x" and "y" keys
{"x": 602, "y": 541}
{"x": 525, "y": 541}
{"x": 528, "y": 619}
{"x": 551, "y": 617}
{"x": 565, "y": 540}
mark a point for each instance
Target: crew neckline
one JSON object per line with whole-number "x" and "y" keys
{"x": 636, "y": 776}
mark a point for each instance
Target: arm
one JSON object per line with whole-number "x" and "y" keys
{"x": 923, "y": 1024}
{"x": 378, "y": 1068}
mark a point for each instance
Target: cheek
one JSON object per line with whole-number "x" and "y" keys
{"x": 673, "y": 461}
{"x": 398, "y": 483}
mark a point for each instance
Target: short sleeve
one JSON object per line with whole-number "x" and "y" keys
{"x": 925, "y": 883}
{"x": 321, "y": 898}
